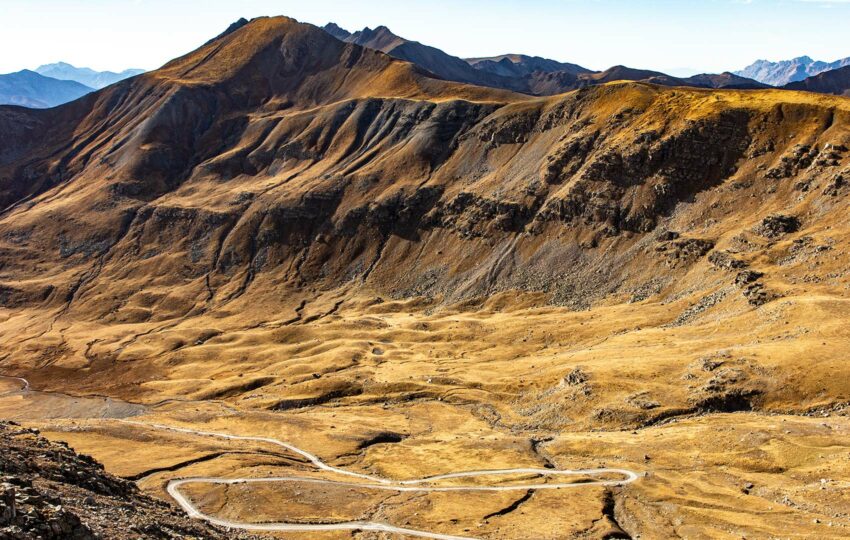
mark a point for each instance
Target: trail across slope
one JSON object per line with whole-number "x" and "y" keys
{"x": 376, "y": 482}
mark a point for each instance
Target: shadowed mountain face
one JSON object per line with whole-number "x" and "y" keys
{"x": 432, "y": 59}
{"x": 517, "y": 72}
{"x": 337, "y": 32}
{"x": 788, "y": 71}
{"x": 836, "y": 81}
{"x": 29, "y": 89}
{"x": 85, "y": 76}
{"x": 279, "y": 152}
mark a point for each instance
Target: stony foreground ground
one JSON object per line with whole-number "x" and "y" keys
{"x": 48, "y": 491}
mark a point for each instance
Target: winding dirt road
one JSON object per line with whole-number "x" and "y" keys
{"x": 25, "y": 384}
{"x": 366, "y": 481}
{"x": 374, "y": 482}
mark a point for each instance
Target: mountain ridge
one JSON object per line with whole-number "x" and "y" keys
{"x": 27, "y": 88}
{"x": 520, "y": 73}
{"x": 170, "y": 136}
{"x": 519, "y": 65}
{"x": 85, "y": 76}
{"x": 835, "y": 81}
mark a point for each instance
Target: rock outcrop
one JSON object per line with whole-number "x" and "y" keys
{"x": 49, "y": 492}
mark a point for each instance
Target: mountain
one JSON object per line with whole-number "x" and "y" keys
{"x": 723, "y": 80}
{"x": 430, "y": 58}
{"x": 520, "y": 73}
{"x": 85, "y": 76}
{"x": 378, "y": 153}
{"x": 836, "y": 81}
{"x": 520, "y": 65}
{"x": 234, "y": 26}
{"x": 29, "y": 89}
{"x": 336, "y": 31}
{"x": 281, "y": 236}
{"x": 788, "y": 71}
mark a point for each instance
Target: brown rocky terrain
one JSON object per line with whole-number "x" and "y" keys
{"x": 285, "y": 235}
{"x": 48, "y": 491}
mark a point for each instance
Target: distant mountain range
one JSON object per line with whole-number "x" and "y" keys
{"x": 54, "y": 84}
{"x": 30, "y": 89}
{"x": 788, "y": 71}
{"x": 519, "y": 72}
{"x": 89, "y": 77}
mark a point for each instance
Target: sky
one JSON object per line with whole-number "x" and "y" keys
{"x": 665, "y": 35}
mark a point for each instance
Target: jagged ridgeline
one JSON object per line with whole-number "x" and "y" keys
{"x": 277, "y": 157}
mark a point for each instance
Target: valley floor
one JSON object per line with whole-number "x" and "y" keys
{"x": 729, "y": 434}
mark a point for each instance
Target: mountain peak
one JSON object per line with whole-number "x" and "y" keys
{"x": 336, "y": 31}
{"x": 280, "y": 58}
{"x": 85, "y": 76}
{"x": 378, "y": 31}
{"x": 59, "y": 64}
{"x": 234, "y": 26}
{"x": 787, "y": 71}
{"x": 380, "y": 38}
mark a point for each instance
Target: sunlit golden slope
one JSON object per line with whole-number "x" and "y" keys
{"x": 299, "y": 227}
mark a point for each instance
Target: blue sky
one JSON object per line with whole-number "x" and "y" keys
{"x": 703, "y": 35}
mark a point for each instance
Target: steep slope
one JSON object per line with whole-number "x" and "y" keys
{"x": 836, "y": 81}
{"x": 29, "y": 89}
{"x": 278, "y": 156}
{"x": 234, "y": 26}
{"x": 85, "y": 76}
{"x": 788, "y": 71}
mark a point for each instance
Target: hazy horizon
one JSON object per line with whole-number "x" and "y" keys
{"x": 703, "y": 36}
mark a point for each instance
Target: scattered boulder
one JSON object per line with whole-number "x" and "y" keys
{"x": 575, "y": 377}
{"x": 746, "y": 277}
{"x": 685, "y": 250}
{"x": 777, "y": 225}
{"x": 754, "y": 290}
{"x": 835, "y": 186}
{"x": 798, "y": 158}
{"x": 725, "y": 260}
{"x": 641, "y": 400}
